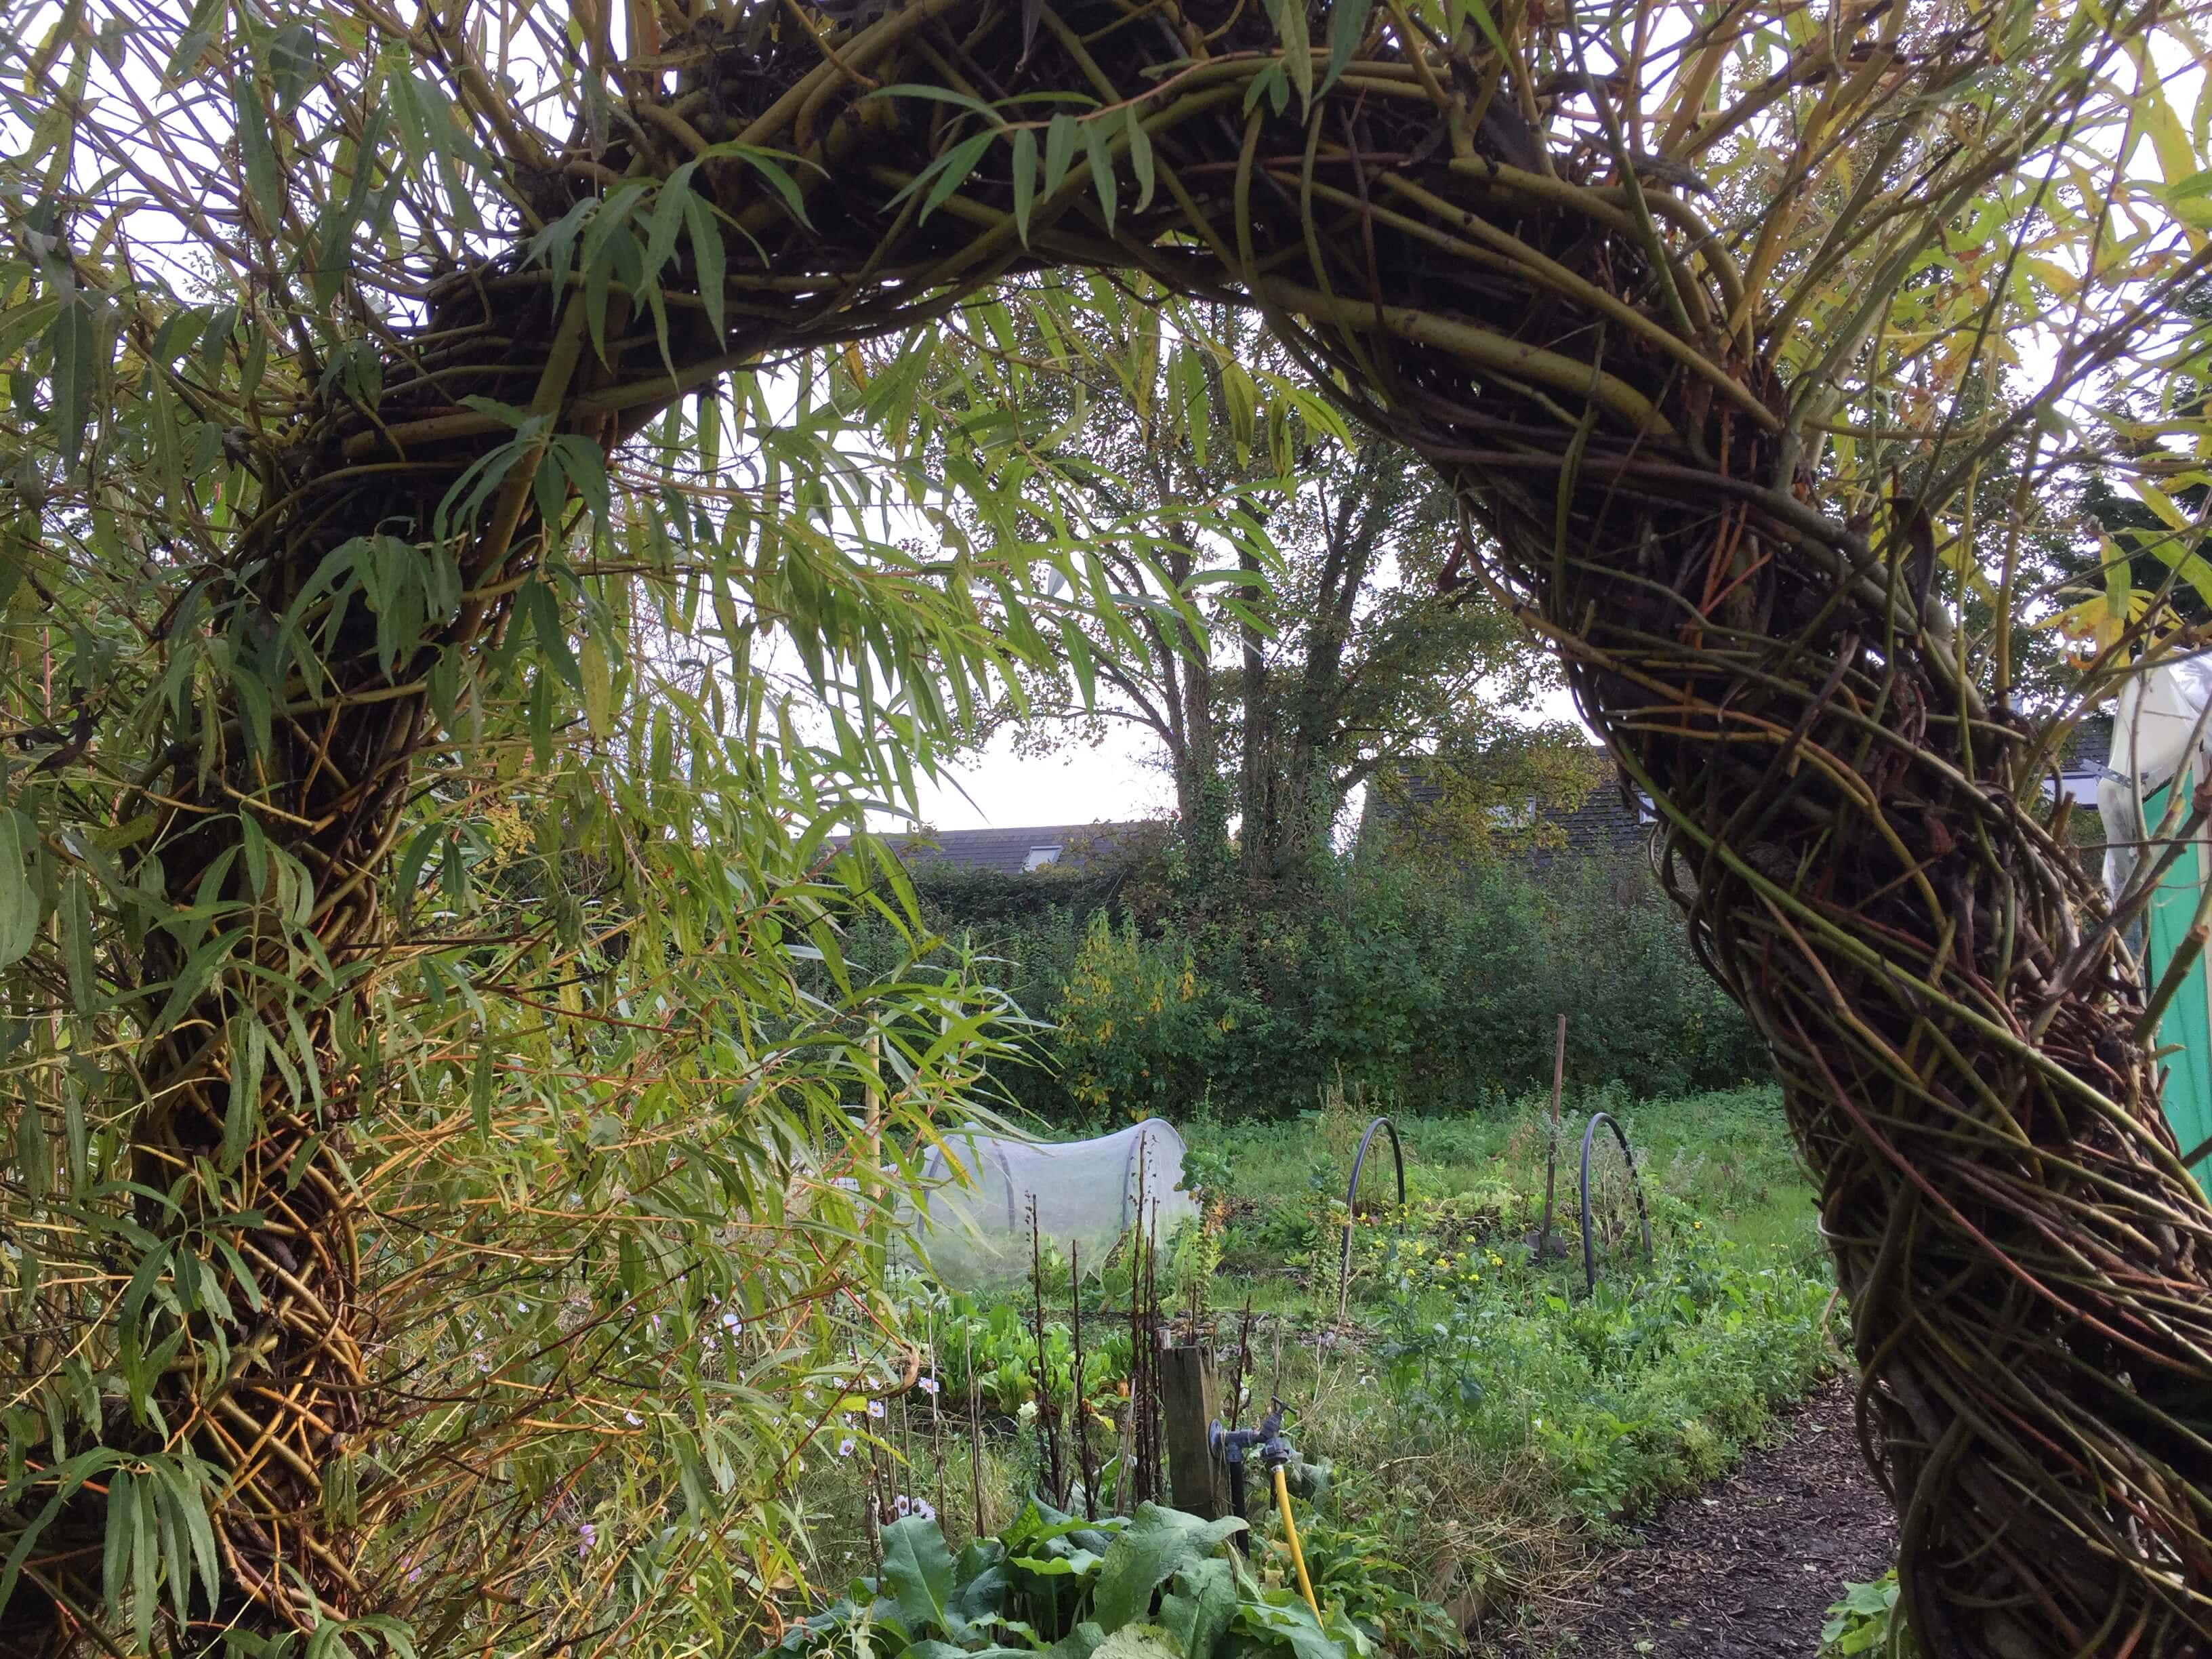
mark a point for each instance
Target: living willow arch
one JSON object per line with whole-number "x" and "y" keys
{"x": 1483, "y": 247}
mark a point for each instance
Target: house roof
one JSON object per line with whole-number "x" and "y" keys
{"x": 1016, "y": 851}
{"x": 2088, "y": 747}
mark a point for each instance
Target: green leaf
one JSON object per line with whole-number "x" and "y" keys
{"x": 1287, "y": 1623}
{"x": 1480, "y": 12}
{"x": 1297, "y": 46}
{"x": 199, "y": 968}
{"x": 73, "y": 342}
{"x": 1158, "y": 1544}
{"x": 769, "y": 164}
{"x": 1140, "y": 157}
{"x": 122, "y": 1534}
{"x": 293, "y": 62}
{"x": 19, "y": 900}
{"x": 582, "y": 463}
{"x": 953, "y": 170}
{"x": 480, "y": 1087}
{"x": 938, "y": 94}
{"x": 1101, "y": 152}
{"x": 979, "y": 1578}
{"x": 242, "y": 1117}
{"x": 599, "y": 686}
{"x": 145, "y": 1562}
{"x": 77, "y": 943}
{"x": 1025, "y": 178}
{"x": 2191, "y": 567}
{"x": 1138, "y": 1641}
{"x": 1078, "y": 1644}
{"x": 666, "y": 219}
{"x": 712, "y": 259}
{"x": 262, "y": 179}
{"x": 918, "y": 1573}
{"x": 1197, "y": 1611}
{"x": 1059, "y": 139}
{"x": 66, "y": 1480}
{"x": 538, "y": 603}
{"x": 1347, "y": 24}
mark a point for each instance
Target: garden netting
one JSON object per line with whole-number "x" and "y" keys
{"x": 972, "y": 1223}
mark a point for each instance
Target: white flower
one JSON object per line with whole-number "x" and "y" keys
{"x": 845, "y": 1446}
{"x": 929, "y": 1385}
{"x": 875, "y": 1408}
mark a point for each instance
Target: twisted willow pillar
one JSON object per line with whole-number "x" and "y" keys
{"x": 2028, "y": 1264}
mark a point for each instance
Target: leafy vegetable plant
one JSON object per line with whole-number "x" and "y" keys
{"x": 1158, "y": 1584}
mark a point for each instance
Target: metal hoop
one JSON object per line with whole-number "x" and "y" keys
{"x": 1351, "y": 1198}
{"x": 1636, "y": 1185}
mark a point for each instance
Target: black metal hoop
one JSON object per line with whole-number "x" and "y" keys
{"x": 1351, "y": 1200}
{"x": 1636, "y": 1185}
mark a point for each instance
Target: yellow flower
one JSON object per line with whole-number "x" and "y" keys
{"x": 1699, "y": 1225}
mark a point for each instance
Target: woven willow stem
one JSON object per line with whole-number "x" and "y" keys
{"x": 1849, "y": 830}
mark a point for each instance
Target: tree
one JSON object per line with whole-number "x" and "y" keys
{"x": 1330, "y": 641}
{"x": 1168, "y": 420}
{"x": 1378, "y": 661}
{"x": 1714, "y": 464}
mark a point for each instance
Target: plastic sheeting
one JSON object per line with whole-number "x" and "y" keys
{"x": 2159, "y": 719}
{"x": 2162, "y": 749}
{"x": 977, "y": 1231}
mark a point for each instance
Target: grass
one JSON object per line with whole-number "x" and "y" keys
{"x": 1485, "y": 1426}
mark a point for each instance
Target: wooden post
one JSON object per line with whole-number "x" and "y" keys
{"x": 1198, "y": 1481}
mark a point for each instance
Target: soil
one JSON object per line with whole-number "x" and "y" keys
{"x": 1746, "y": 1568}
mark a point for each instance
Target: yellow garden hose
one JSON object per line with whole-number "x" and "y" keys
{"x": 1291, "y": 1533}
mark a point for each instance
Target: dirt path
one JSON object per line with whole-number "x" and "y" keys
{"x": 1746, "y": 1569}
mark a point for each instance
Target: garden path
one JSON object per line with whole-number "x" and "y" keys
{"x": 1746, "y": 1568}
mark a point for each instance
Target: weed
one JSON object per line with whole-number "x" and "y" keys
{"x": 1866, "y": 1621}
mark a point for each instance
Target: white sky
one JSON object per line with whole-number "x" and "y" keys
{"x": 1119, "y": 780}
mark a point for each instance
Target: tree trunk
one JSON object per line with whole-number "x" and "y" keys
{"x": 1310, "y": 796}
{"x": 1262, "y": 831}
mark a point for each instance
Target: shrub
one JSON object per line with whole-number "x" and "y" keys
{"x": 1434, "y": 996}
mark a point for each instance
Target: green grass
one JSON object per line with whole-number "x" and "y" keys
{"x": 1727, "y": 1155}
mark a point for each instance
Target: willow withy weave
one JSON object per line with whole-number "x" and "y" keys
{"x": 1475, "y": 262}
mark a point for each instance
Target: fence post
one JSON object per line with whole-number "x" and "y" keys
{"x": 1197, "y": 1482}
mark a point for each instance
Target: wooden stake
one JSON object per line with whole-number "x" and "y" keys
{"x": 982, "y": 1522}
{"x": 1082, "y": 1427}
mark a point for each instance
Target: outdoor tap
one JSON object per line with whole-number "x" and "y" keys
{"x": 1233, "y": 1446}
